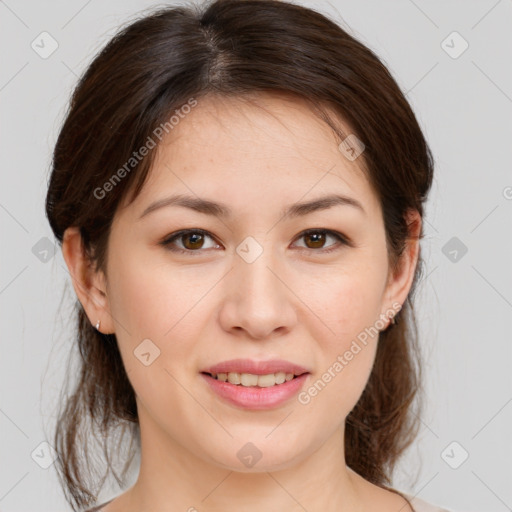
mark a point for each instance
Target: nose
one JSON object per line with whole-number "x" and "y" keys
{"x": 257, "y": 299}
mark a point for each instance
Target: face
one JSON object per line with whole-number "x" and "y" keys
{"x": 247, "y": 281}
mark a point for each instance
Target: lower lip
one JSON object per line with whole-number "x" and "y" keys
{"x": 254, "y": 397}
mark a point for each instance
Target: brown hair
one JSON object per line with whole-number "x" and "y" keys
{"x": 231, "y": 48}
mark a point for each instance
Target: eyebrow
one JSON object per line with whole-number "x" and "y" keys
{"x": 221, "y": 210}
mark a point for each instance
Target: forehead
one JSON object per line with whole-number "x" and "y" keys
{"x": 266, "y": 148}
{"x": 272, "y": 125}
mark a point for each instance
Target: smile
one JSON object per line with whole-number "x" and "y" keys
{"x": 257, "y": 392}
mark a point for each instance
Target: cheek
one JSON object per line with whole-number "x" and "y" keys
{"x": 149, "y": 299}
{"x": 348, "y": 304}
{"x": 153, "y": 303}
{"x": 347, "y": 356}
{"x": 160, "y": 303}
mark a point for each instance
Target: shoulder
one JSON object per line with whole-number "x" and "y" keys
{"x": 420, "y": 505}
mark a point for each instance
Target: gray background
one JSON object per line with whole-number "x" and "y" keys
{"x": 464, "y": 105}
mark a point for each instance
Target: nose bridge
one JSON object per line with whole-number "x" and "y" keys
{"x": 254, "y": 270}
{"x": 257, "y": 300}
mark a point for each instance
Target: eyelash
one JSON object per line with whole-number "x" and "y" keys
{"x": 166, "y": 242}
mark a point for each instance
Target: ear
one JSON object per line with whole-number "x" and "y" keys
{"x": 89, "y": 283}
{"x": 401, "y": 278}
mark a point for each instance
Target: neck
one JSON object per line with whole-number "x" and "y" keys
{"x": 172, "y": 477}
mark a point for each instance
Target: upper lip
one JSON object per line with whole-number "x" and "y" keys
{"x": 256, "y": 367}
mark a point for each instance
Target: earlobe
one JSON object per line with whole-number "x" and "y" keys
{"x": 89, "y": 283}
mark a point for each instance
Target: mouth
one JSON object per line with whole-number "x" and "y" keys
{"x": 255, "y": 384}
{"x": 253, "y": 391}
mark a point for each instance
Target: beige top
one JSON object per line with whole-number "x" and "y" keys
{"x": 420, "y": 505}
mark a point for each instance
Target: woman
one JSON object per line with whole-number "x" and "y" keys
{"x": 239, "y": 192}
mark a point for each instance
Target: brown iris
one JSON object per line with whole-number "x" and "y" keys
{"x": 197, "y": 240}
{"x": 318, "y": 240}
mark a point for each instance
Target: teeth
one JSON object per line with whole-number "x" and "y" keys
{"x": 234, "y": 378}
{"x": 246, "y": 379}
{"x": 249, "y": 379}
{"x": 281, "y": 377}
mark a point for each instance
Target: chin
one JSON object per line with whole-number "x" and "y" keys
{"x": 256, "y": 455}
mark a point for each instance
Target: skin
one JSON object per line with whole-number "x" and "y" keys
{"x": 294, "y": 302}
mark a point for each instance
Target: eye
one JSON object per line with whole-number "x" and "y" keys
{"x": 316, "y": 239}
{"x": 193, "y": 240}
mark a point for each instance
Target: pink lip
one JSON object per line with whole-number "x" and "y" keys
{"x": 256, "y": 367}
{"x": 254, "y": 397}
